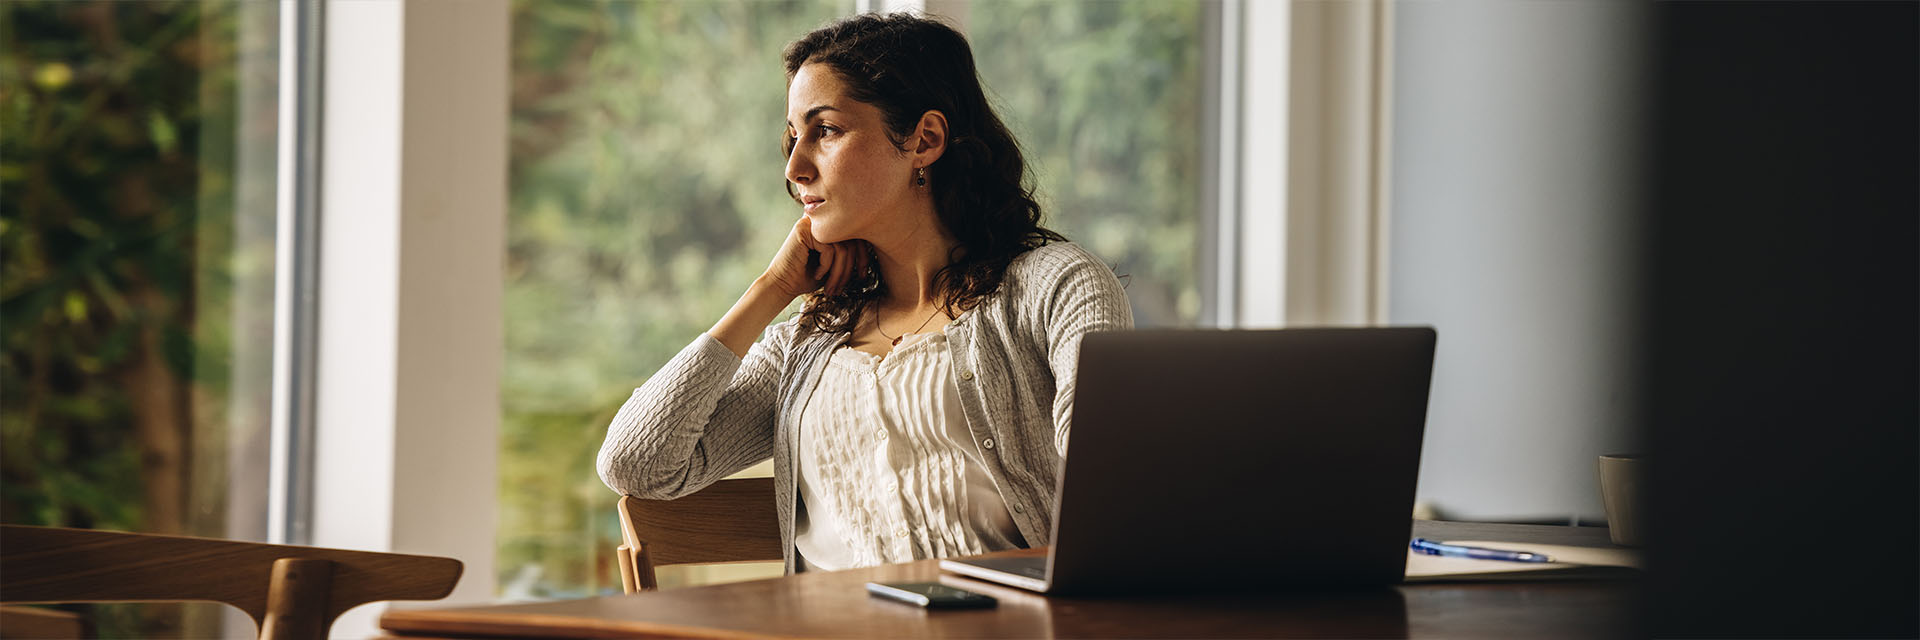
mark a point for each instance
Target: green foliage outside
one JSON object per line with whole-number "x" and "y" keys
{"x": 646, "y": 185}
{"x": 646, "y": 195}
{"x": 125, "y": 225}
{"x": 1106, "y": 97}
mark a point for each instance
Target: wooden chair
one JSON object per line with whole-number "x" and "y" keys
{"x": 42, "y": 624}
{"x": 290, "y": 591}
{"x": 730, "y": 521}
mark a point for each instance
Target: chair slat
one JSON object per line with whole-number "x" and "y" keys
{"x": 730, "y": 521}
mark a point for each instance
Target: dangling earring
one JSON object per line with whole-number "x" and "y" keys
{"x": 920, "y": 177}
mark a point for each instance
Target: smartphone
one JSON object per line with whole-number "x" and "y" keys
{"x": 931, "y": 595}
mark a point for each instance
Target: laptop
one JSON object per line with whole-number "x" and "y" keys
{"x": 1224, "y": 460}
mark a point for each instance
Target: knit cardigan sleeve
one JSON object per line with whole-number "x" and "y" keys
{"x": 705, "y": 415}
{"x": 1079, "y": 295}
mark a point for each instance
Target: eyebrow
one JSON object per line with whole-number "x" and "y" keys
{"x": 815, "y": 111}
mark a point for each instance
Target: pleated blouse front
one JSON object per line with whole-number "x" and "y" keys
{"x": 888, "y": 470}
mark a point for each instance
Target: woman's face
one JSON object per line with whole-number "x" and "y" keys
{"x": 846, "y": 171}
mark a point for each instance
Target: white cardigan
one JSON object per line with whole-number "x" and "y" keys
{"x": 708, "y": 413}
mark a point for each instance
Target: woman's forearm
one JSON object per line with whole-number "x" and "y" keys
{"x": 750, "y": 316}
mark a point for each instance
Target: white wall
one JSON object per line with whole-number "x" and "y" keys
{"x": 1512, "y": 196}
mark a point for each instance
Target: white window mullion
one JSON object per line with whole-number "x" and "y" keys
{"x": 1263, "y": 181}
{"x": 1221, "y": 159}
{"x": 1381, "y": 189}
{"x": 412, "y": 243}
{"x": 954, "y": 11}
{"x": 1335, "y": 175}
{"x": 296, "y": 271}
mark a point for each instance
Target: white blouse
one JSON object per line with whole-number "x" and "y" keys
{"x": 888, "y": 471}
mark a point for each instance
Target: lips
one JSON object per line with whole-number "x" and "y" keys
{"x": 811, "y": 202}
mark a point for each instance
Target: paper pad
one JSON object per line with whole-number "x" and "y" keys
{"x": 1569, "y": 563}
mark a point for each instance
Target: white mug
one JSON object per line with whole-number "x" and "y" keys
{"x": 1620, "y": 490}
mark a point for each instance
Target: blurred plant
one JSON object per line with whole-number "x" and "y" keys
{"x": 98, "y": 251}
{"x": 116, "y": 135}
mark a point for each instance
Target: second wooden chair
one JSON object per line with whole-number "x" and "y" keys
{"x": 730, "y": 521}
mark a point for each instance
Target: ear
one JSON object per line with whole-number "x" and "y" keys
{"x": 929, "y": 139}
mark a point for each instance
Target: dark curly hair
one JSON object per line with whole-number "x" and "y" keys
{"x": 907, "y": 65}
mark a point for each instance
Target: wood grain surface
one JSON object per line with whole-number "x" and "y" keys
{"x": 41, "y": 624}
{"x": 835, "y": 605}
{"x": 43, "y": 564}
{"x": 729, "y": 521}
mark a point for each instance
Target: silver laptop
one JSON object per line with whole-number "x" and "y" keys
{"x": 1234, "y": 460}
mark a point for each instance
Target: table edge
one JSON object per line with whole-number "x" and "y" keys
{"x": 467, "y": 623}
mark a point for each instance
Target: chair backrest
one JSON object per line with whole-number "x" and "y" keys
{"x": 729, "y": 521}
{"x": 290, "y": 591}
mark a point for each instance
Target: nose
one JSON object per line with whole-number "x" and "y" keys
{"x": 800, "y": 169}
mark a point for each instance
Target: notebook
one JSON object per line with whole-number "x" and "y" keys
{"x": 1569, "y": 563}
{"x": 1228, "y": 460}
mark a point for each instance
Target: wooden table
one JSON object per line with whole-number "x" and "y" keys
{"x": 835, "y": 605}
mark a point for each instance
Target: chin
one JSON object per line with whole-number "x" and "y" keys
{"x": 826, "y": 230}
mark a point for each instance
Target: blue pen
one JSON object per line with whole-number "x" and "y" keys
{"x": 1432, "y": 548}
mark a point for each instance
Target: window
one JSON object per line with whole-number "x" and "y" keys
{"x": 645, "y": 195}
{"x": 136, "y": 273}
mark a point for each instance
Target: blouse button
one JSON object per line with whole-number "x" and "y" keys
{"x": 966, "y": 375}
{"x": 988, "y": 443}
{"x": 900, "y": 533}
{"x": 1016, "y": 508}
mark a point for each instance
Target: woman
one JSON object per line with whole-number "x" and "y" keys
{"x": 919, "y": 405}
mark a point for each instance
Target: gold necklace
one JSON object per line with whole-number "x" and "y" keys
{"x": 896, "y": 341}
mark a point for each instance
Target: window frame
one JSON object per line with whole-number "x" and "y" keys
{"x": 295, "y": 293}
